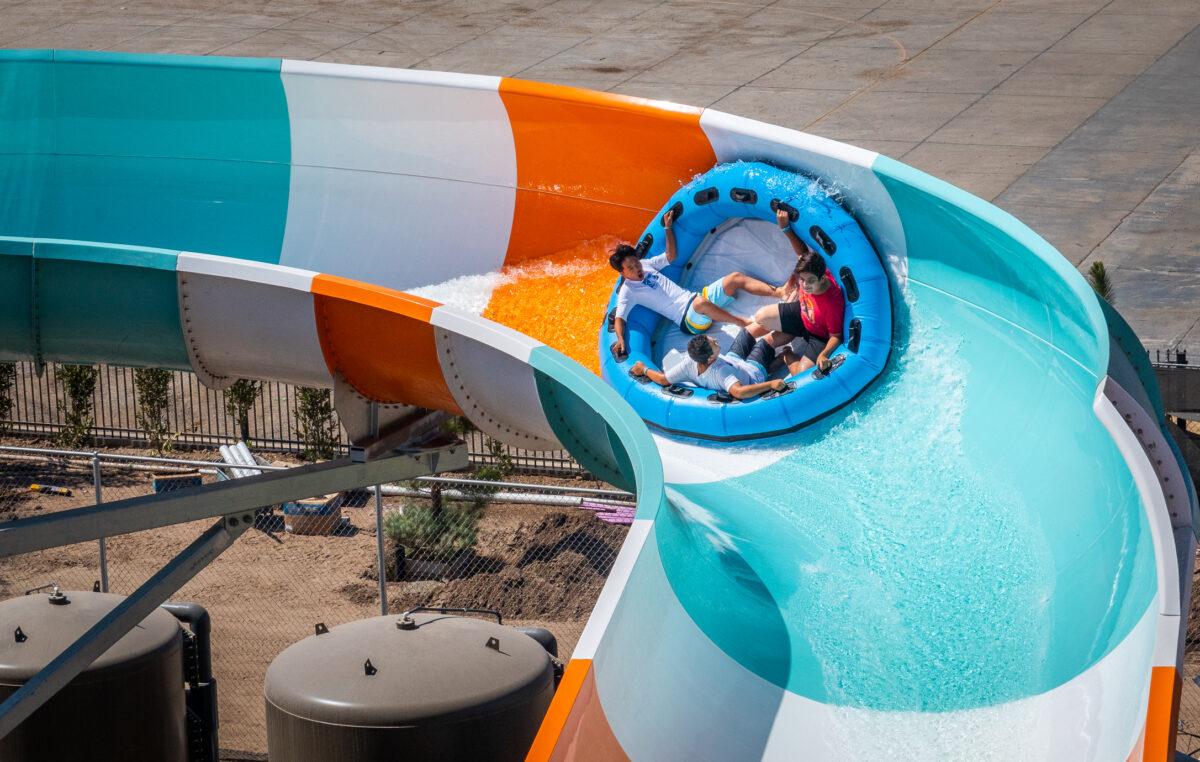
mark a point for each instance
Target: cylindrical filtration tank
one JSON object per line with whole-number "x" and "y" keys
{"x": 127, "y": 706}
{"x": 427, "y": 686}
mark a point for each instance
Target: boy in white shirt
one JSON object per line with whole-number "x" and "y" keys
{"x": 742, "y": 371}
{"x": 695, "y": 313}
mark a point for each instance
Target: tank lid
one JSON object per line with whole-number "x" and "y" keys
{"x": 372, "y": 672}
{"x": 49, "y": 623}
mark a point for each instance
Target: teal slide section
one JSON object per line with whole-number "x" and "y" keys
{"x": 89, "y": 303}
{"x": 166, "y": 151}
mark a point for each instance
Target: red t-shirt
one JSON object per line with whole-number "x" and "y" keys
{"x": 823, "y": 313}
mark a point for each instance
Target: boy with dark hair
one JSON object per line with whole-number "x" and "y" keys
{"x": 694, "y": 312}
{"x": 809, "y": 317}
{"x": 741, "y": 372}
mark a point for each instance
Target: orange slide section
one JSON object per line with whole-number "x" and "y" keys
{"x": 575, "y": 727}
{"x": 381, "y": 342}
{"x": 1162, "y": 715}
{"x": 558, "y": 299}
{"x": 592, "y": 164}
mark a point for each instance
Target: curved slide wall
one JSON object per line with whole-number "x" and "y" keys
{"x": 731, "y": 627}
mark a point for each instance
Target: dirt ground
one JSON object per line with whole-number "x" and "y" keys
{"x": 537, "y": 565}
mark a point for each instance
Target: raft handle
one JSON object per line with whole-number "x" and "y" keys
{"x": 793, "y": 212}
{"x": 721, "y": 398}
{"x": 643, "y": 247}
{"x": 683, "y": 392}
{"x": 677, "y": 207}
{"x": 835, "y": 362}
{"x": 612, "y": 349}
{"x": 772, "y": 394}
{"x": 822, "y": 238}
{"x": 642, "y": 379}
{"x": 611, "y": 320}
{"x": 849, "y": 284}
{"x": 706, "y": 196}
{"x": 744, "y": 195}
{"x": 855, "y": 335}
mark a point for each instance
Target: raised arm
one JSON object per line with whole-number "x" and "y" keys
{"x": 785, "y": 224}
{"x": 669, "y": 225}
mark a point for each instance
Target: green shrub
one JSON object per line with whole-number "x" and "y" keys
{"x": 316, "y": 426}
{"x": 1097, "y": 278}
{"x": 153, "y": 388}
{"x": 240, "y": 397}
{"x": 432, "y": 533}
{"x": 79, "y": 383}
{"x": 8, "y": 377}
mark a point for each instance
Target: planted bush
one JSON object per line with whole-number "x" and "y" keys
{"x": 153, "y": 388}
{"x": 240, "y": 397}
{"x": 316, "y": 426}
{"x": 8, "y": 378}
{"x": 79, "y": 384}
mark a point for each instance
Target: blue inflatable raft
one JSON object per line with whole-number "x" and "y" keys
{"x": 725, "y": 221}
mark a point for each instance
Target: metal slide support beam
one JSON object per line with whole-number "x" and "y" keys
{"x": 128, "y": 613}
{"x": 220, "y": 499}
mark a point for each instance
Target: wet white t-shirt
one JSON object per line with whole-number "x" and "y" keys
{"x": 722, "y": 374}
{"x": 655, "y": 292}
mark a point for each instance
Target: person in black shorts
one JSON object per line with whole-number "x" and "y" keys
{"x": 741, "y": 372}
{"x": 809, "y": 317}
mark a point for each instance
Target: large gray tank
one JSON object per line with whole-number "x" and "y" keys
{"x": 127, "y": 706}
{"x": 433, "y": 687}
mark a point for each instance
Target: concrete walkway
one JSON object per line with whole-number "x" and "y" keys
{"x": 1078, "y": 116}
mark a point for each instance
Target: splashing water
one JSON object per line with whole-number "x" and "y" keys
{"x": 907, "y": 578}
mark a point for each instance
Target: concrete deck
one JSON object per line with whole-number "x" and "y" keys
{"x": 1078, "y": 116}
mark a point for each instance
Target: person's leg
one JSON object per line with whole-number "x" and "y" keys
{"x": 718, "y": 315}
{"x": 738, "y": 281}
{"x": 803, "y": 351}
{"x": 767, "y": 320}
{"x": 742, "y": 344}
{"x": 762, "y": 354}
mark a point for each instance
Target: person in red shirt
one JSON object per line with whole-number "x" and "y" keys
{"x": 809, "y": 318}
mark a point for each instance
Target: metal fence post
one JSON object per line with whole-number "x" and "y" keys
{"x": 96, "y": 484}
{"x": 383, "y": 604}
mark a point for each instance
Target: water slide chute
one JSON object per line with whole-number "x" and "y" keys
{"x": 976, "y": 558}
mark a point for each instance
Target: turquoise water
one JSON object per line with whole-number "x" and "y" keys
{"x": 963, "y": 535}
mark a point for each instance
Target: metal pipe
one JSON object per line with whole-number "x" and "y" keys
{"x": 201, "y": 625}
{"x": 96, "y": 484}
{"x": 568, "y": 501}
{"x": 383, "y": 605}
{"x": 127, "y": 458}
{"x": 521, "y": 485}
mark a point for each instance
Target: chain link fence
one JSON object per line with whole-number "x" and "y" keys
{"x": 538, "y": 553}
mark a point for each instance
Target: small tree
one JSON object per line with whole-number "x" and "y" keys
{"x": 153, "y": 388}
{"x": 240, "y": 397}
{"x": 79, "y": 383}
{"x": 315, "y": 424}
{"x": 1097, "y": 277}
{"x": 433, "y": 533}
{"x": 8, "y": 377}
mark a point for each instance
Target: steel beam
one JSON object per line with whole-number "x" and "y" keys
{"x": 220, "y": 499}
